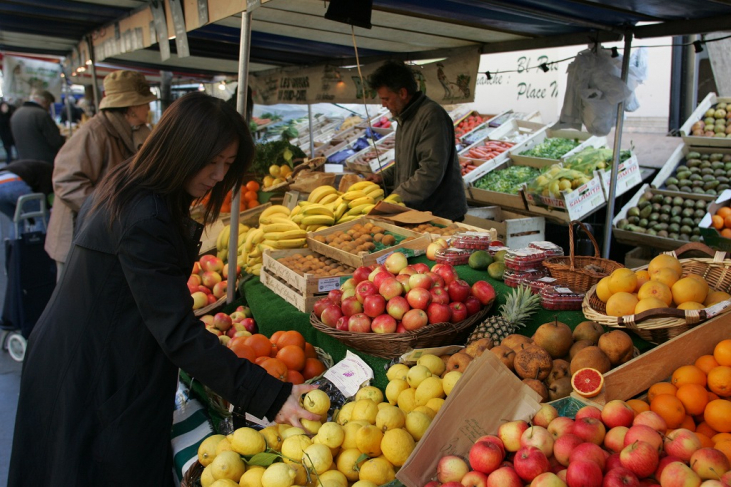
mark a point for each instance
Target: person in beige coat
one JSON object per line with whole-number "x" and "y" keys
{"x": 112, "y": 136}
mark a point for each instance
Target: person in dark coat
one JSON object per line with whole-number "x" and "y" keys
{"x": 100, "y": 373}
{"x": 21, "y": 178}
{"x": 6, "y": 134}
{"x": 36, "y": 135}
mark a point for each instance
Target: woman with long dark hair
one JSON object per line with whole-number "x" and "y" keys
{"x": 100, "y": 373}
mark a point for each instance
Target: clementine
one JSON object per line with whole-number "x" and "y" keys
{"x": 276, "y": 368}
{"x": 260, "y": 344}
{"x": 706, "y": 363}
{"x": 725, "y": 448}
{"x": 252, "y": 186}
{"x": 294, "y": 377}
{"x": 727, "y": 221}
{"x": 669, "y": 408}
{"x": 638, "y": 405}
{"x": 726, "y": 233}
{"x": 661, "y": 388}
{"x": 241, "y": 349}
{"x": 310, "y": 351}
{"x": 693, "y": 397}
{"x": 706, "y": 442}
{"x": 688, "y": 374}
{"x": 251, "y": 204}
{"x": 704, "y": 429}
{"x": 719, "y": 437}
{"x": 719, "y": 380}
{"x": 313, "y": 368}
{"x": 723, "y": 212}
{"x": 291, "y": 337}
{"x": 292, "y": 356}
{"x": 722, "y": 352}
{"x": 718, "y": 415}
{"x": 688, "y": 423}
{"x": 717, "y": 222}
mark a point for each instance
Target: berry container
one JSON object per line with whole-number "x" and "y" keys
{"x": 470, "y": 241}
{"x": 516, "y": 278}
{"x": 494, "y": 249}
{"x": 550, "y": 248}
{"x": 452, "y": 255}
{"x": 561, "y": 298}
{"x": 524, "y": 259}
{"x": 537, "y": 285}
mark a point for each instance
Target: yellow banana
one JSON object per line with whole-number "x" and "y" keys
{"x": 297, "y": 219}
{"x": 249, "y": 238}
{"x": 320, "y": 193}
{"x": 272, "y": 236}
{"x": 314, "y": 228}
{"x": 222, "y": 254}
{"x": 305, "y": 203}
{"x": 365, "y": 200}
{"x": 275, "y": 209}
{"x": 338, "y": 201}
{"x": 276, "y": 218}
{"x": 340, "y": 210}
{"x": 318, "y": 220}
{"x": 255, "y": 270}
{"x": 263, "y": 247}
{"x": 317, "y": 210}
{"x": 279, "y": 227}
{"x": 292, "y": 234}
{"x": 241, "y": 240}
{"x": 361, "y": 185}
{"x": 295, "y": 210}
{"x": 265, "y": 243}
{"x": 327, "y": 199}
{"x": 367, "y": 209}
{"x": 348, "y": 218}
{"x": 393, "y": 197}
{"x": 223, "y": 237}
{"x": 357, "y": 210}
{"x": 324, "y": 227}
{"x": 241, "y": 261}
{"x": 294, "y": 243}
{"x": 376, "y": 194}
{"x": 257, "y": 237}
{"x": 353, "y": 195}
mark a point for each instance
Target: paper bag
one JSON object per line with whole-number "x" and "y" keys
{"x": 487, "y": 395}
{"x": 400, "y": 214}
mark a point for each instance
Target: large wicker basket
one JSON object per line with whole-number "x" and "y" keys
{"x": 580, "y": 273}
{"x": 660, "y": 325}
{"x": 392, "y": 345}
{"x": 193, "y": 475}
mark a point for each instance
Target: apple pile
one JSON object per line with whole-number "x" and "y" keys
{"x": 208, "y": 280}
{"x": 612, "y": 447}
{"x": 227, "y": 326}
{"x": 397, "y": 297}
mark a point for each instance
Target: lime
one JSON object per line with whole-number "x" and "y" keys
{"x": 496, "y": 270}
{"x": 500, "y": 256}
{"x": 480, "y": 260}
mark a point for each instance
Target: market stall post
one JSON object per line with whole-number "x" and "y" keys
{"x": 617, "y": 146}
{"x": 241, "y": 107}
{"x": 92, "y": 64}
{"x": 312, "y": 135}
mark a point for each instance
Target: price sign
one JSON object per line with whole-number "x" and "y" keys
{"x": 328, "y": 284}
{"x": 382, "y": 259}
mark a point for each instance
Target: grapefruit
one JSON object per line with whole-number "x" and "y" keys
{"x": 664, "y": 261}
{"x": 587, "y": 382}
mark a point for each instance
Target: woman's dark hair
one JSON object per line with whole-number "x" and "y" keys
{"x": 394, "y": 75}
{"x": 193, "y": 130}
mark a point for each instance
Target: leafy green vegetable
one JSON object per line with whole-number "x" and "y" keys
{"x": 591, "y": 159}
{"x": 507, "y": 180}
{"x": 278, "y": 152}
{"x": 552, "y": 148}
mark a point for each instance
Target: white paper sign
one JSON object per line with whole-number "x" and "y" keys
{"x": 349, "y": 374}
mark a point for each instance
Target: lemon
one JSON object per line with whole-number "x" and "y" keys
{"x": 417, "y": 424}
{"x": 345, "y": 413}
{"x": 407, "y": 400}
{"x": 435, "y": 404}
{"x": 389, "y": 418}
{"x": 397, "y": 371}
{"x": 449, "y": 380}
{"x": 278, "y": 475}
{"x": 397, "y": 445}
{"x": 311, "y": 427}
{"x": 369, "y": 392}
{"x": 272, "y": 437}
{"x": 317, "y": 458}
{"x": 275, "y": 170}
{"x": 347, "y": 463}
{"x": 364, "y": 410}
{"x": 417, "y": 374}
{"x": 377, "y": 470}
{"x": 316, "y": 401}
{"x": 283, "y": 427}
{"x": 334, "y": 476}
{"x": 284, "y": 170}
{"x": 252, "y": 477}
{"x": 207, "y": 477}
{"x": 300, "y": 477}
{"x": 331, "y": 434}
{"x": 248, "y": 441}
{"x": 349, "y": 434}
{"x": 228, "y": 465}
{"x": 293, "y": 447}
{"x": 435, "y": 365}
{"x": 394, "y": 388}
{"x": 429, "y": 388}
{"x": 224, "y": 483}
{"x": 426, "y": 410}
{"x": 207, "y": 449}
{"x": 293, "y": 432}
{"x": 368, "y": 440}
{"x": 365, "y": 483}
{"x": 383, "y": 404}
{"x": 223, "y": 445}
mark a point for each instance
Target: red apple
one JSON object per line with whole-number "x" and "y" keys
{"x": 588, "y": 452}
{"x": 224, "y": 272}
{"x": 545, "y": 415}
{"x": 560, "y": 426}
{"x": 351, "y": 306}
{"x": 390, "y": 288}
{"x": 194, "y": 280}
{"x": 210, "y": 278}
{"x": 237, "y": 316}
{"x": 414, "y": 319}
{"x": 418, "y": 298}
{"x": 484, "y": 292}
{"x": 374, "y": 305}
{"x": 539, "y": 437}
{"x": 617, "y": 413}
{"x": 204, "y": 290}
{"x": 640, "y": 458}
{"x": 474, "y": 479}
{"x": 504, "y": 477}
{"x": 375, "y": 270}
{"x": 644, "y": 433}
{"x": 438, "y": 281}
{"x": 359, "y": 323}
{"x": 404, "y": 280}
{"x": 563, "y": 446}
{"x": 320, "y": 306}
{"x": 510, "y": 434}
{"x": 196, "y": 268}
{"x": 348, "y": 284}
{"x": 589, "y": 429}
{"x": 438, "y": 313}
{"x": 211, "y": 298}
{"x": 347, "y": 293}
{"x": 448, "y": 273}
{"x": 582, "y": 473}
{"x": 249, "y": 325}
{"x": 530, "y": 462}
{"x": 473, "y": 305}
{"x": 381, "y": 277}
{"x": 231, "y": 332}
{"x": 459, "y": 311}
{"x": 451, "y": 468}
{"x": 211, "y": 263}
{"x": 458, "y": 290}
{"x": 439, "y": 295}
{"x": 342, "y": 323}
{"x": 331, "y": 315}
{"x": 383, "y": 324}
{"x": 548, "y": 479}
{"x": 408, "y": 270}
{"x": 421, "y": 268}
{"x": 222, "y": 321}
{"x": 363, "y": 289}
{"x": 682, "y": 443}
{"x": 709, "y": 463}
{"x": 400, "y": 328}
{"x": 433, "y": 483}
{"x": 614, "y": 439}
{"x": 588, "y": 412}
{"x": 397, "y": 307}
{"x": 678, "y": 474}
{"x": 485, "y": 456}
{"x": 207, "y": 319}
{"x": 493, "y": 439}
{"x": 193, "y": 288}
{"x": 651, "y": 419}
{"x": 420, "y": 281}
{"x": 664, "y": 462}
{"x": 199, "y": 299}
{"x": 613, "y": 462}
{"x": 335, "y": 296}
{"x": 452, "y": 484}
{"x": 396, "y": 262}
{"x": 361, "y": 274}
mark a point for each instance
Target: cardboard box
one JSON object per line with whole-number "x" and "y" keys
{"x": 307, "y": 284}
{"x": 628, "y": 176}
{"x": 414, "y": 247}
{"x": 514, "y": 230}
{"x": 637, "y": 375}
{"x": 698, "y": 114}
{"x": 587, "y": 140}
{"x": 576, "y": 205}
{"x": 486, "y": 395}
{"x": 711, "y": 236}
{"x": 677, "y": 158}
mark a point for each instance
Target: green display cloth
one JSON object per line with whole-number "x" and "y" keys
{"x": 273, "y": 313}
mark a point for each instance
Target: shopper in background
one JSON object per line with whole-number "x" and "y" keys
{"x": 426, "y": 174}
{"x": 36, "y": 135}
{"x": 86, "y": 102}
{"x": 6, "y": 134}
{"x": 76, "y": 111}
{"x": 21, "y": 178}
{"x": 100, "y": 372}
{"x": 112, "y": 136}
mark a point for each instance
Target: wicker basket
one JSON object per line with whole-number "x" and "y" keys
{"x": 573, "y": 271}
{"x": 392, "y": 345}
{"x": 193, "y": 476}
{"x": 660, "y": 325}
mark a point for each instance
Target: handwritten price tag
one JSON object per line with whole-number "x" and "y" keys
{"x": 382, "y": 259}
{"x": 328, "y": 284}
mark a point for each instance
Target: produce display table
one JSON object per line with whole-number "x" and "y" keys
{"x": 272, "y": 313}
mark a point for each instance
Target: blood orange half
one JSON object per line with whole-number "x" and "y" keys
{"x": 587, "y": 382}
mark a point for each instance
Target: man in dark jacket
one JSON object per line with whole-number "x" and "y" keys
{"x": 426, "y": 174}
{"x": 36, "y": 135}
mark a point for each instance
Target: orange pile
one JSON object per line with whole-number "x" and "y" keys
{"x": 698, "y": 398}
{"x": 286, "y": 355}
{"x": 722, "y": 221}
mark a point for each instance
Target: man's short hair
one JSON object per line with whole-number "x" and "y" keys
{"x": 394, "y": 75}
{"x": 44, "y": 95}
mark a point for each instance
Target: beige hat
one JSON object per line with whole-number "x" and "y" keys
{"x": 126, "y": 89}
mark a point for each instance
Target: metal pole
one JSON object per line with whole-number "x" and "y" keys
{"x": 617, "y": 146}
{"x": 241, "y": 101}
{"x": 69, "y": 120}
{"x": 690, "y": 79}
{"x": 312, "y": 135}
{"x": 95, "y": 83}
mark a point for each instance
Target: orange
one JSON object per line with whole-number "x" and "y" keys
{"x": 666, "y": 276}
{"x": 622, "y": 304}
{"x": 688, "y": 423}
{"x": 669, "y": 408}
{"x": 251, "y": 204}
{"x": 642, "y": 277}
{"x": 665, "y": 261}
{"x": 715, "y": 297}
{"x": 700, "y": 280}
{"x": 241, "y": 349}
{"x": 719, "y": 380}
{"x": 250, "y": 195}
{"x": 661, "y": 388}
{"x": 294, "y": 377}
{"x": 706, "y": 363}
{"x": 602, "y": 290}
{"x": 722, "y": 352}
{"x": 725, "y": 447}
{"x": 688, "y": 374}
{"x": 648, "y": 304}
{"x": 719, "y": 437}
{"x": 693, "y": 397}
{"x": 260, "y": 360}
{"x": 712, "y": 396}
{"x": 276, "y": 368}
{"x": 717, "y": 222}
{"x": 727, "y": 221}
{"x": 252, "y": 186}
{"x": 638, "y": 406}
{"x": 656, "y": 289}
{"x": 704, "y": 429}
{"x": 291, "y": 337}
{"x": 623, "y": 280}
{"x": 688, "y": 305}
{"x": 275, "y": 336}
{"x": 310, "y": 351}
{"x": 313, "y": 368}
{"x": 723, "y": 212}
{"x": 292, "y": 356}
{"x": 726, "y": 233}
{"x": 689, "y": 289}
{"x": 706, "y": 442}
{"x": 260, "y": 344}
{"x": 718, "y": 415}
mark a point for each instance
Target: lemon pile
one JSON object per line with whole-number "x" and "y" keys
{"x": 277, "y": 175}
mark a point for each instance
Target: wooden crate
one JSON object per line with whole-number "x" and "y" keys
{"x": 291, "y": 295}
{"x": 698, "y": 114}
{"x": 504, "y": 200}
{"x": 676, "y": 158}
{"x": 307, "y": 284}
{"x": 514, "y": 230}
{"x": 587, "y": 140}
{"x": 417, "y": 246}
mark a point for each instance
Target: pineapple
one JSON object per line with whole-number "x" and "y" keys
{"x": 519, "y": 306}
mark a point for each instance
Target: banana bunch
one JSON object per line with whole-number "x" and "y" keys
{"x": 350, "y": 122}
{"x": 222, "y": 241}
{"x": 279, "y": 231}
{"x": 359, "y": 200}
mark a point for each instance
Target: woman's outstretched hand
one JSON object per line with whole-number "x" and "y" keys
{"x": 292, "y": 411}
